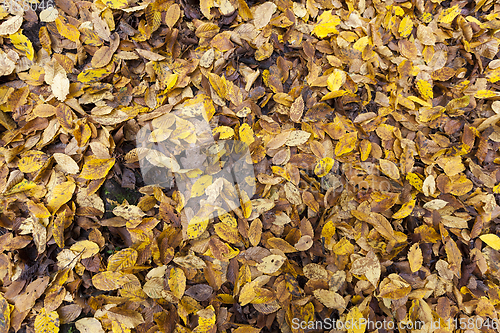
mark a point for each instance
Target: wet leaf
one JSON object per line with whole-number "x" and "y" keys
{"x": 61, "y": 194}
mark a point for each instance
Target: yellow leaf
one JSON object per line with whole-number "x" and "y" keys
{"x": 444, "y": 74}
{"x": 206, "y": 320}
{"x": 426, "y": 17}
{"x": 491, "y": 240}
{"x": 23, "y": 44}
{"x": 277, "y": 170}
{"x": 196, "y": 227}
{"x": 485, "y": 94}
{"x": 281, "y": 244}
{"x": 459, "y": 185}
{"x": 5, "y": 310}
{"x": 219, "y": 84}
{"x": 246, "y": 329}
{"x": 118, "y": 327}
{"x": 327, "y": 23}
{"x": 264, "y": 52}
{"x": 405, "y": 210}
{"x": 346, "y": 144}
{"x": 205, "y": 6}
{"x": 394, "y": 287}
{"x": 330, "y": 299}
{"x": 61, "y": 194}
{"x": 24, "y": 185}
{"x": 485, "y": 307}
{"x": 398, "y": 11}
{"x": 58, "y": 231}
{"x": 122, "y": 259}
{"x": 365, "y": 147}
{"x": 90, "y": 37}
{"x": 428, "y": 234}
{"x": 324, "y": 166}
{"x": 116, "y": 4}
{"x": 415, "y": 180}
{"x": 246, "y": 204}
{"x": 66, "y": 163}
{"x": 47, "y": 322}
{"x": 97, "y": 168}
{"x": 361, "y": 43}
{"x": 93, "y": 75}
{"x": 448, "y": 15}
{"x": 334, "y": 94}
{"x": 32, "y": 161}
{"x": 246, "y": 134}
{"x": 37, "y": 209}
{"x": 336, "y": 80}
{"x": 494, "y": 76}
{"x": 405, "y": 27}
{"x": 177, "y": 282}
{"x": 226, "y": 132}
{"x": 227, "y": 233}
{"x": 419, "y": 101}
{"x": 109, "y": 280}
{"x": 415, "y": 258}
{"x": 67, "y": 30}
{"x": 200, "y": 185}
{"x": 228, "y": 219}
{"x": 153, "y": 16}
{"x": 343, "y": 247}
{"x": 129, "y": 212}
{"x": 244, "y": 11}
{"x": 86, "y": 248}
{"x": 247, "y": 293}
{"x": 170, "y": 81}
{"x": 183, "y": 129}
{"x": 425, "y": 89}
{"x": 327, "y": 233}
{"x": 355, "y": 316}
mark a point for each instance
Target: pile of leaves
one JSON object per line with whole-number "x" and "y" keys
{"x": 373, "y": 129}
